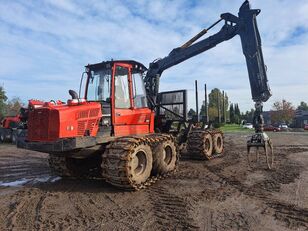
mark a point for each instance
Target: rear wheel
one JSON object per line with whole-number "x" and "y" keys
{"x": 218, "y": 143}
{"x": 200, "y": 144}
{"x": 164, "y": 157}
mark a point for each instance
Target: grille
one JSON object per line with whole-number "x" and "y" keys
{"x": 91, "y": 124}
{"x": 83, "y": 114}
{"x": 81, "y": 128}
{"x": 38, "y": 124}
{"x": 94, "y": 112}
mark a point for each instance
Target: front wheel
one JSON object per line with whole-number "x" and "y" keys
{"x": 164, "y": 157}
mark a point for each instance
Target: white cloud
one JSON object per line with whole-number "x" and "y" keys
{"x": 45, "y": 45}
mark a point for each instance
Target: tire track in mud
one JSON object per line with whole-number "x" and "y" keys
{"x": 24, "y": 212}
{"x": 292, "y": 215}
{"x": 38, "y": 216}
{"x": 125, "y": 216}
{"x": 217, "y": 188}
{"x": 170, "y": 211}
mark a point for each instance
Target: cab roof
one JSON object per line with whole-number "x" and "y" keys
{"x": 136, "y": 66}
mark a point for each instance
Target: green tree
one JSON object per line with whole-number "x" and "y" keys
{"x": 248, "y": 116}
{"x": 237, "y": 114}
{"x": 3, "y": 99}
{"x": 303, "y": 106}
{"x": 202, "y": 110}
{"x": 237, "y": 110}
{"x": 13, "y": 106}
{"x": 215, "y": 99}
{"x": 191, "y": 113}
{"x": 282, "y": 112}
{"x": 232, "y": 114}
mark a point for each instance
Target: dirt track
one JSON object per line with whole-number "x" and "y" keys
{"x": 223, "y": 194}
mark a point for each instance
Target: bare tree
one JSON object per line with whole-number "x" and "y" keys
{"x": 13, "y": 106}
{"x": 282, "y": 112}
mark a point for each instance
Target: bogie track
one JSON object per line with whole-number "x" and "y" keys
{"x": 204, "y": 144}
{"x": 127, "y": 162}
{"x": 67, "y": 167}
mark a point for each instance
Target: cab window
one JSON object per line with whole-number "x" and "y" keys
{"x": 121, "y": 88}
{"x": 99, "y": 86}
{"x": 139, "y": 95}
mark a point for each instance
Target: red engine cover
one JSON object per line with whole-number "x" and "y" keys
{"x": 52, "y": 122}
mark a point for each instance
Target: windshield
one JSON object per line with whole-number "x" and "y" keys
{"x": 99, "y": 85}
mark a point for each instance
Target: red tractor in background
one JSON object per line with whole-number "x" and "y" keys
{"x": 7, "y": 128}
{"x": 12, "y": 126}
{"x": 127, "y": 132}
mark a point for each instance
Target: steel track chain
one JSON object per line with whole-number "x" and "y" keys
{"x": 58, "y": 166}
{"x": 118, "y": 153}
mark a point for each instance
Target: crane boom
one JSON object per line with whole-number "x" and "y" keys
{"x": 245, "y": 25}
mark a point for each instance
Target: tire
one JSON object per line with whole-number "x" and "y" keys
{"x": 2, "y": 137}
{"x": 59, "y": 166}
{"x": 218, "y": 143}
{"x": 207, "y": 145}
{"x": 200, "y": 144}
{"x": 14, "y": 138}
{"x": 164, "y": 157}
{"x": 140, "y": 165}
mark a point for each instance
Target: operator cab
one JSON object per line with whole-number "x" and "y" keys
{"x": 118, "y": 86}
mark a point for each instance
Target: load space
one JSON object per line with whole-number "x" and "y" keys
{"x": 119, "y": 127}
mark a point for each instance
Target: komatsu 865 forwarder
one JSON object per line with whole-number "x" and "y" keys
{"x": 122, "y": 128}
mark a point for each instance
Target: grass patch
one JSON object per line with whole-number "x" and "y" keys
{"x": 234, "y": 128}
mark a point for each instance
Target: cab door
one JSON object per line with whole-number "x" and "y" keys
{"x": 130, "y": 114}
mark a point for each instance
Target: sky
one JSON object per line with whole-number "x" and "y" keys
{"x": 46, "y": 44}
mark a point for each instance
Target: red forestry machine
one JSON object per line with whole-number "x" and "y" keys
{"x": 123, "y": 129}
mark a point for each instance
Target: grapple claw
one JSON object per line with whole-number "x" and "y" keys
{"x": 261, "y": 140}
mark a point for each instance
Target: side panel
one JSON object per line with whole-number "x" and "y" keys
{"x": 132, "y": 121}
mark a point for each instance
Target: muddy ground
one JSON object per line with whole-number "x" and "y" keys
{"x": 221, "y": 194}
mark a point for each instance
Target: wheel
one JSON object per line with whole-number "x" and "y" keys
{"x": 59, "y": 166}
{"x": 218, "y": 143}
{"x": 140, "y": 165}
{"x": 200, "y": 144}
{"x": 14, "y": 138}
{"x": 127, "y": 163}
{"x": 164, "y": 157}
{"x": 87, "y": 167}
{"x": 2, "y": 137}
{"x": 207, "y": 145}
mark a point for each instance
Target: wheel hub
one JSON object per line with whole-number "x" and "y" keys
{"x": 167, "y": 154}
{"x": 139, "y": 163}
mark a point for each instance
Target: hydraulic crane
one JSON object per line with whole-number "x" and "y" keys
{"x": 123, "y": 128}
